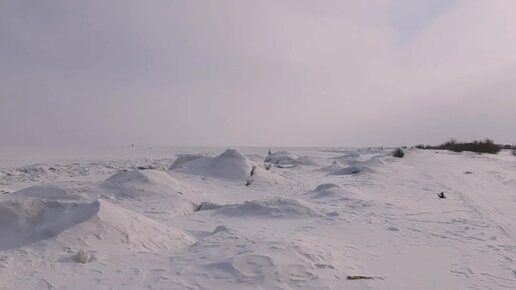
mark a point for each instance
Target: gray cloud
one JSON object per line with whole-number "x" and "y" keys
{"x": 255, "y": 73}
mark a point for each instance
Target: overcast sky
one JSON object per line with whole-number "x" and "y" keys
{"x": 305, "y": 73}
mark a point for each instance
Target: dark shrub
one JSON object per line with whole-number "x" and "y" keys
{"x": 482, "y": 146}
{"x": 398, "y": 152}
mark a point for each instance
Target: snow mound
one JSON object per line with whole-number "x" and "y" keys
{"x": 362, "y": 158}
{"x": 326, "y": 186}
{"x": 336, "y": 165}
{"x": 287, "y": 159}
{"x": 24, "y": 220}
{"x": 231, "y": 165}
{"x": 331, "y": 191}
{"x": 98, "y": 224}
{"x": 354, "y": 166}
{"x": 149, "y": 176}
{"x": 184, "y": 158}
{"x": 289, "y": 267}
{"x": 126, "y": 229}
{"x": 50, "y": 192}
{"x": 248, "y": 262}
{"x": 279, "y": 207}
{"x": 349, "y": 155}
{"x": 157, "y": 189}
{"x": 372, "y": 162}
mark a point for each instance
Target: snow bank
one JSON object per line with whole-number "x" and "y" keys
{"x": 98, "y": 224}
{"x": 274, "y": 208}
{"x": 231, "y": 165}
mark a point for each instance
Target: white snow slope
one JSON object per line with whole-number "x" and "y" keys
{"x": 316, "y": 225}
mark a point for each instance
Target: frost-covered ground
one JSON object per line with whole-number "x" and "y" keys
{"x": 318, "y": 217}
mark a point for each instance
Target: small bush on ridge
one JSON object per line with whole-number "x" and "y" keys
{"x": 398, "y": 152}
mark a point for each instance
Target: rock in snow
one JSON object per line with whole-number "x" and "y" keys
{"x": 82, "y": 256}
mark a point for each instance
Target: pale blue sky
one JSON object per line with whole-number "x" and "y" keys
{"x": 330, "y": 73}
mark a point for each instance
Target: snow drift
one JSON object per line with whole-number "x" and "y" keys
{"x": 184, "y": 158}
{"x": 246, "y": 262}
{"x": 159, "y": 190}
{"x": 330, "y": 191}
{"x": 287, "y": 159}
{"x": 352, "y": 170}
{"x": 50, "y": 192}
{"x": 24, "y": 220}
{"x": 354, "y": 166}
{"x": 335, "y": 165}
{"x": 274, "y": 208}
{"x": 98, "y": 224}
{"x": 141, "y": 177}
{"x": 122, "y": 229}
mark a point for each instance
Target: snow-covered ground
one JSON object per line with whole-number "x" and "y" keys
{"x": 318, "y": 219}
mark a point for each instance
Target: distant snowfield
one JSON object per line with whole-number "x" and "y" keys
{"x": 318, "y": 219}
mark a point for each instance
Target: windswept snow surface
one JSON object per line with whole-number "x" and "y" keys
{"x": 179, "y": 218}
